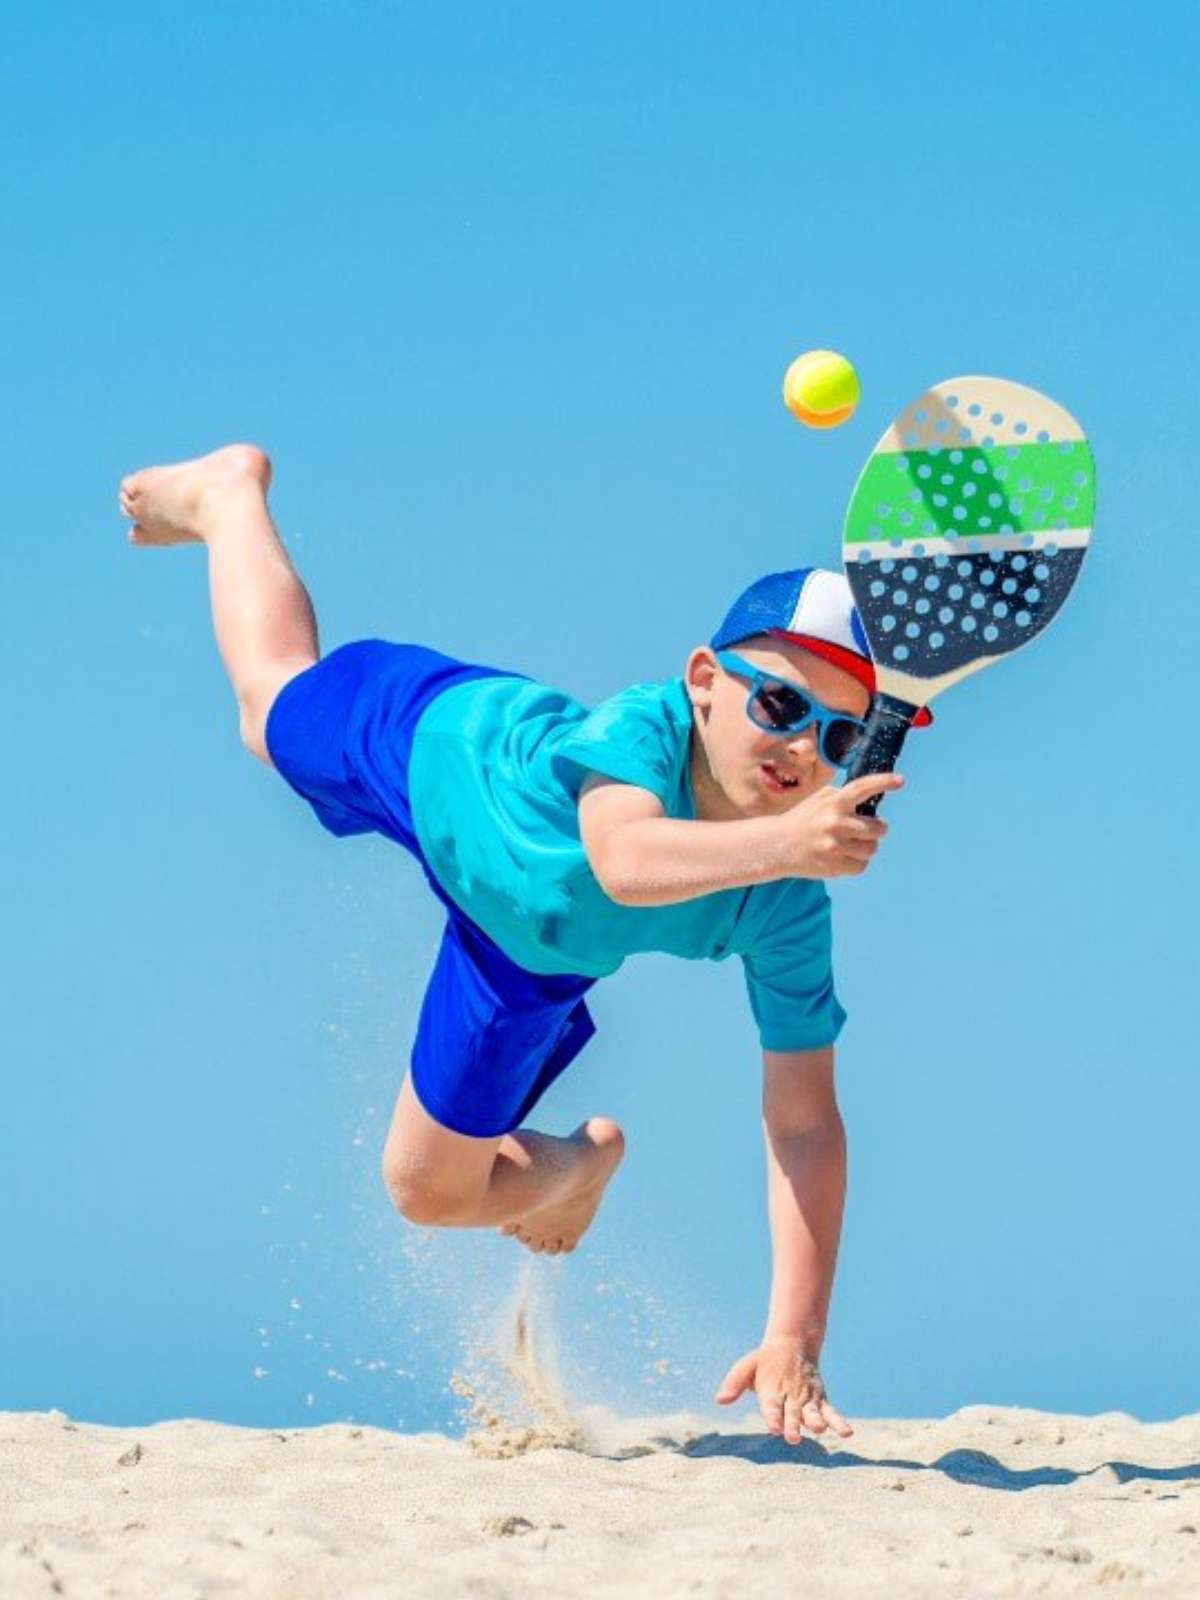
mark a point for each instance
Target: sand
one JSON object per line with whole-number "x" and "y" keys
{"x": 991, "y": 1501}
{"x": 544, "y": 1495}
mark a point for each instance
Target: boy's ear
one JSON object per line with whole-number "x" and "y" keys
{"x": 699, "y": 676}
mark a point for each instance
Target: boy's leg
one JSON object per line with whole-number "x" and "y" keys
{"x": 265, "y": 627}
{"x": 490, "y": 1040}
{"x": 542, "y": 1189}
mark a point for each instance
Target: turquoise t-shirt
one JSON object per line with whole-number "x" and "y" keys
{"x": 494, "y": 778}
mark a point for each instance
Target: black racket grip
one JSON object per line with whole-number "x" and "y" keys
{"x": 888, "y": 723}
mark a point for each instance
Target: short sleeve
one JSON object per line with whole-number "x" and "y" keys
{"x": 635, "y": 737}
{"x": 789, "y": 972}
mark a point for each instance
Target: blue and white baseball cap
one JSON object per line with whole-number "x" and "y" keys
{"x": 810, "y": 607}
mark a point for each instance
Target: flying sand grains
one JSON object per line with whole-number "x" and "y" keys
{"x": 525, "y": 1352}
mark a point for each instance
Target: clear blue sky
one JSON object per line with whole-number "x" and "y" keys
{"x": 508, "y": 293}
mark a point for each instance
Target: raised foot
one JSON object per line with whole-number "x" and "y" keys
{"x": 556, "y": 1229}
{"x": 181, "y": 503}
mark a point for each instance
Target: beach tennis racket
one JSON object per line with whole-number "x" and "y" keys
{"x": 965, "y": 533}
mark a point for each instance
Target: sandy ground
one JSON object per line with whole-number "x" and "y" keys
{"x": 543, "y": 1496}
{"x": 988, "y": 1502}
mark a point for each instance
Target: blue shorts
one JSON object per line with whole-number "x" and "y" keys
{"x": 492, "y": 1037}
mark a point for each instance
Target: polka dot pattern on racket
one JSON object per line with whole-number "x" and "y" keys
{"x": 989, "y": 600}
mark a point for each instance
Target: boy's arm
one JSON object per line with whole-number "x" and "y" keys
{"x": 641, "y": 857}
{"x": 806, "y": 1188}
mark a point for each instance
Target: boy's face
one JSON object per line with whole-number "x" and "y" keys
{"x": 735, "y": 764}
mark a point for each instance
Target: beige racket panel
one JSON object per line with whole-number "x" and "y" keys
{"x": 992, "y": 408}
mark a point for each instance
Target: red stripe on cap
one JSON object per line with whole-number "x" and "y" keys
{"x": 849, "y": 661}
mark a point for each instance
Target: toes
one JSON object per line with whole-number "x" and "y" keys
{"x": 549, "y": 1244}
{"x": 602, "y": 1131}
{"x": 559, "y": 1245}
{"x": 515, "y": 1231}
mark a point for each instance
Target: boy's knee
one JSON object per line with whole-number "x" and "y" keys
{"x": 421, "y": 1200}
{"x": 255, "y": 699}
{"x": 253, "y": 730}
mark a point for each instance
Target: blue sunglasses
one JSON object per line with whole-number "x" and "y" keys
{"x": 779, "y": 707}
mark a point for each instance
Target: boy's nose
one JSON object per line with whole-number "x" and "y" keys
{"x": 805, "y": 740}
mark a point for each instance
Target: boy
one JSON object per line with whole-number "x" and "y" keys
{"x": 694, "y": 816}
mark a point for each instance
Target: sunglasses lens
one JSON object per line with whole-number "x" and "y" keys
{"x": 777, "y": 706}
{"x": 842, "y": 738}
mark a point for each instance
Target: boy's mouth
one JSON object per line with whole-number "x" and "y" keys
{"x": 775, "y": 780}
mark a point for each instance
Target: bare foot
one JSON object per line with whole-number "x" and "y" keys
{"x": 557, "y": 1229}
{"x": 176, "y": 504}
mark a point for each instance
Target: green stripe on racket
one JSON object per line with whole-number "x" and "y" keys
{"x": 964, "y": 536}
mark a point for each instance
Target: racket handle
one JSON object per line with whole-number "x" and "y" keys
{"x": 888, "y": 723}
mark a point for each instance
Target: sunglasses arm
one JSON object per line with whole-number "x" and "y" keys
{"x": 888, "y": 722}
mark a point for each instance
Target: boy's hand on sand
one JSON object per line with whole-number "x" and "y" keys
{"x": 824, "y": 837}
{"x": 791, "y": 1393}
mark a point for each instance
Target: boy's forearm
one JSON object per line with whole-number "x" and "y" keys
{"x": 806, "y": 1192}
{"x": 662, "y": 860}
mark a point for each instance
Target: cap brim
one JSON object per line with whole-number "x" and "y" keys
{"x": 857, "y": 666}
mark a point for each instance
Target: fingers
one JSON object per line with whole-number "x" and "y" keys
{"x": 738, "y": 1379}
{"x": 856, "y": 827}
{"x": 853, "y": 794}
{"x": 841, "y": 843}
{"x": 860, "y": 849}
{"x": 849, "y": 866}
{"x": 813, "y": 1420}
{"x": 792, "y": 1411}
{"x": 772, "y": 1408}
{"x": 836, "y": 1420}
{"x": 790, "y": 1414}
{"x": 858, "y": 840}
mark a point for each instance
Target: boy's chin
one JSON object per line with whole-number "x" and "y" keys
{"x": 765, "y": 804}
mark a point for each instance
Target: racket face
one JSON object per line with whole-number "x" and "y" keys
{"x": 966, "y": 531}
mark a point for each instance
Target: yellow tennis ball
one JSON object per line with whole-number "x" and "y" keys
{"x": 820, "y": 388}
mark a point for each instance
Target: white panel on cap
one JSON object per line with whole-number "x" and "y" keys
{"x": 823, "y": 609}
